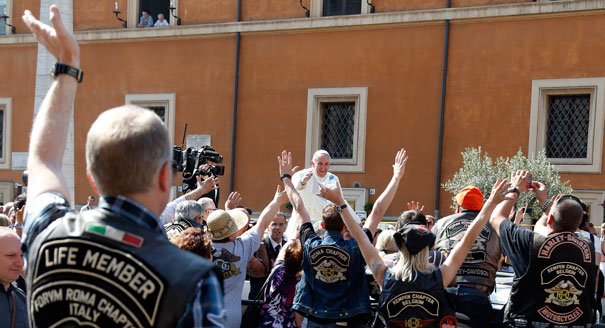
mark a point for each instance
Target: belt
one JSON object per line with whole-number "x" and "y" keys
{"x": 326, "y": 321}
{"x": 479, "y": 287}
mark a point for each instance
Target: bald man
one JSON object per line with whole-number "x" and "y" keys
{"x": 13, "y": 309}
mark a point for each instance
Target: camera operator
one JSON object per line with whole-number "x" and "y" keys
{"x": 203, "y": 187}
{"x": 213, "y": 193}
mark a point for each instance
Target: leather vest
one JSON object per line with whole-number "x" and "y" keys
{"x": 419, "y": 303}
{"x": 175, "y": 228}
{"x": 481, "y": 263}
{"x": 333, "y": 284}
{"x": 558, "y": 287}
{"x": 95, "y": 269}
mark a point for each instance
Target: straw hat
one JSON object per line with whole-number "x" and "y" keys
{"x": 222, "y": 224}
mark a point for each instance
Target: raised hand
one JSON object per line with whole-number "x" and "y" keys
{"x": 332, "y": 194}
{"x": 400, "y": 159}
{"x": 415, "y": 206}
{"x": 207, "y": 185}
{"x": 233, "y": 200}
{"x": 58, "y": 40}
{"x": 540, "y": 190}
{"x": 519, "y": 180}
{"x": 285, "y": 164}
{"x": 281, "y": 197}
{"x": 498, "y": 193}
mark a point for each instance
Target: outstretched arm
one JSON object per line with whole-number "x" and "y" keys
{"x": 384, "y": 201}
{"x": 280, "y": 198}
{"x": 369, "y": 252}
{"x": 285, "y": 168}
{"x": 455, "y": 259}
{"x": 49, "y": 132}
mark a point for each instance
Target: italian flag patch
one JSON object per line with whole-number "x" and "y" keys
{"x": 115, "y": 234}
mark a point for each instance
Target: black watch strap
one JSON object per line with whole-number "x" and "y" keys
{"x": 339, "y": 208}
{"x": 59, "y": 68}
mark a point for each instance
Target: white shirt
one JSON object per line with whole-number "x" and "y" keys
{"x": 162, "y": 23}
{"x": 313, "y": 203}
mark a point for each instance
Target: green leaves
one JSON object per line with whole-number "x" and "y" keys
{"x": 480, "y": 171}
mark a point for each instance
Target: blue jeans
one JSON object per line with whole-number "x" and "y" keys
{"x": 472, "y": 303}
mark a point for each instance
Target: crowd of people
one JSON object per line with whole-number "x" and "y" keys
{"x": 137, "y": 260}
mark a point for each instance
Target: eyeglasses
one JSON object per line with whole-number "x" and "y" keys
{"x": 564, "y": 197}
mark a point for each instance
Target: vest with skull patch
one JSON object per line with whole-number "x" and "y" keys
{"x": 558, "y": 287}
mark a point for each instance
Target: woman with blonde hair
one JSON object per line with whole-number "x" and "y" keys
{"x": 413, "y": 289}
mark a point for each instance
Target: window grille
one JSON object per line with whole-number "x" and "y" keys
{"x": 341, "y": 7}
{"x": 2, "y": 20}
{"x": 568, "y": 122}
{"x": 159, "y": 110}
{"x": 338, "y": 128}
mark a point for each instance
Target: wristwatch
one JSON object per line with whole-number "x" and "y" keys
{"x": 19, "y": 225}
{"x": 59, "y": 68}
{"x": 513, "y": 189}
{"x": 341, "y": 207}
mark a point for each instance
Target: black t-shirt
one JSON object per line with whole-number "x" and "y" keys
{"x": 516, "y": 243}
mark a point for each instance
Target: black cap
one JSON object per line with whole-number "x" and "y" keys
{"x": 415, "y": 237}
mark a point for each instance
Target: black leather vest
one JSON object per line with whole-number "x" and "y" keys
{"x": 419, "y": 303}
{"x": 558, "y": 287}
{"x": 481, "y": 263}
{"x": 98, "y": 270}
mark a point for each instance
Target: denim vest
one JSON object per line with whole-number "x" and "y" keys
{"x": 333, "y": 284}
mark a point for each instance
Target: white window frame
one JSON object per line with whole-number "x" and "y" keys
{"x": 541, "y": 89}
{"x": 315, "y": 97}
{"x": 7, "y": 190}
{"x": 157, "y": 99}
{"x": 317, "y": 6}
{"x": 6, "y": 104}
{"x": 594, "y": 199}
{"x": 358, "y": 195}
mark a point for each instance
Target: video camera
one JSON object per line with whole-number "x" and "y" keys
{"x": 189, "y": 162}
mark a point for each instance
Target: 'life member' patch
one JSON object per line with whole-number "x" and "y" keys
{"x": 80, "y": 282}
{"x": 330, "y": 263}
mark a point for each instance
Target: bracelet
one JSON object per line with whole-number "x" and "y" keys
{"x": 546, "y": 204}
{"x": 285, "y": 176}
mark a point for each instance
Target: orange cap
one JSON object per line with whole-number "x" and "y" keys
{"x": 470, "y": 198}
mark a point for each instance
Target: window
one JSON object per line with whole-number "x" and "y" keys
{"x": 135, "y": 7}
{"x": 594, "y": 200}
{"x": 567, "y": 122}
{"x": 336, "y": 122}
{"x": 5, "y": 133}
{"x": 341, "y": 7}
{"x": 321, "y": 8}
{"x": 3, "y": 12}
{"x": 161, "y": 103}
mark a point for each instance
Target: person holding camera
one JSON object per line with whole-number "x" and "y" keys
{"x": 112, "y": 265}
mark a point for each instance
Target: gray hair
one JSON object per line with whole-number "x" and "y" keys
{"x": 160, "y": 15}
{"x": 189, "y": 210}
{"x": 205, "y": 203}
{"x": 125, "y": 147}
{"x": 4, "y": 221}
{"x": 319, "y": 153}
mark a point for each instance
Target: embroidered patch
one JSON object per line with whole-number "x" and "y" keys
{"x": 396, "y": 305}
{"x": 556, "y": 240}
{"x": 81, "y": 282}
{"x": 330, "y": 263}
{"x": 456, "y": 230}
{"x": 225, "y": 260}
{"x": 115, "y": 234}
